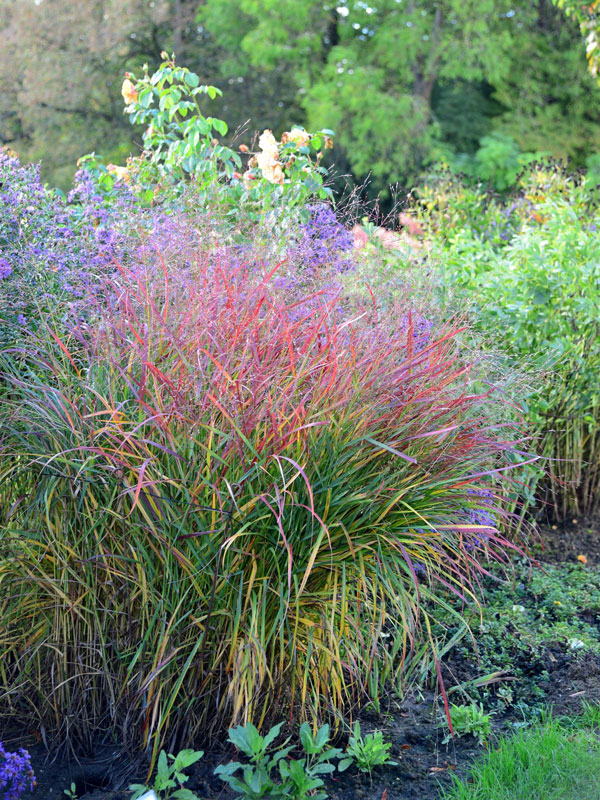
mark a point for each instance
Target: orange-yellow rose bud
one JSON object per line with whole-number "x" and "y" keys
{"x": 248, "y": 177}
{"x": 128, "y": 91}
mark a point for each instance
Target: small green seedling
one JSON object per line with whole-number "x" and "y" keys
{"x": 71, "y": 792}
{"x": 367, "y": 753}
{"x": 270, "y": 774}
{"x": 469, "y": 720}
{"x": 169, "y": 780}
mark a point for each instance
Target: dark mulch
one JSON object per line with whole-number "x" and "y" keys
{"x": 564, "y": 543}
{"x": 409, "y": 723}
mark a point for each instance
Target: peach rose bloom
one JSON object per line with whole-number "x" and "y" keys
{"x": 274, "y": 174}
{"x": 121, "y": 173}
{"x": 268, "y": 144}
{"x": 298, "y": 136}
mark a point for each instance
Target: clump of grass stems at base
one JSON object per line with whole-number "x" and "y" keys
{"x": 219, "y": 504}
{"x": 557, "y": 759}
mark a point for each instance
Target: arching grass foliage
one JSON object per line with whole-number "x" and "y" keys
{"x": 223, "y": 503}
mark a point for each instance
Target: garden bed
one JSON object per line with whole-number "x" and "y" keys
{"x": 540, "y": 668}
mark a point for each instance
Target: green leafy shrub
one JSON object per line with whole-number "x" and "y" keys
{"x": 459, "y": 212}
{"x": 538, "y": 292}
{"x": 181, "y": 149}
{"x": 498, "y": 161}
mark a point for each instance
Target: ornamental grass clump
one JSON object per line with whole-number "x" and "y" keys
{"x": 222, "y": 503}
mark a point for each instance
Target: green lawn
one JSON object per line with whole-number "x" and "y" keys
{"x": 555, "y": 760}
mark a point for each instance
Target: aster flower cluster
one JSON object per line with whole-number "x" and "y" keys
{"x": 51, "y": 249}
{"x": 16, "y": 774}
{"x": 5, "y": 268}
{"x": 504, "y": 223}
{"x": 98, "y": 215}
{"x": 421, "y": 328}
{"x": 482, "y": 513}
{"x": 323, "y": 240}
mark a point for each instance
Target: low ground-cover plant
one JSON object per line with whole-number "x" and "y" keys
{"x": 170, "y": 777}
{"x": 519, "y": 632}
{"x": 539, "y": 290}
{"x": 556, "y": 759}
{"x": 270, "y": 772}
{"x": 219, "y": 496}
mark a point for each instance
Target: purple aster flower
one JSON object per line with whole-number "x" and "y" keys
{"x": 5, "y": 268}
{"x": 16, "y": 774}
{"x": 481, "y": 513}
{"x": 323, "y": 240}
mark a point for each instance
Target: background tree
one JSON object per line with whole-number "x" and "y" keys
{"x": 402, "y": 82}
{"x": 588, "y": 17}
{"x": 549, "y": 100}
{"x": 405, "y": 82}
{"x": 63, "y": 63}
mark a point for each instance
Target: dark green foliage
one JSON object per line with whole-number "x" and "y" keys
{"x": 454, "y": 101}
{"x": 528, "y": 264}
